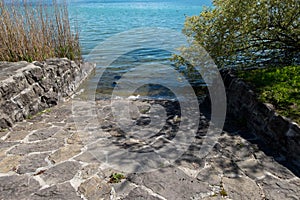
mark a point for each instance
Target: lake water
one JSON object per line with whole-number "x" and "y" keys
{"x": 136, "y": 61}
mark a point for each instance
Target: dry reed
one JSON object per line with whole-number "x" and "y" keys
{"x": 36, "y": 31}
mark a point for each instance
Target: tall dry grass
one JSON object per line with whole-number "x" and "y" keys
{"x": 36, "y": 31}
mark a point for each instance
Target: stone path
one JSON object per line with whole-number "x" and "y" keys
{"x": 71, "y": 152}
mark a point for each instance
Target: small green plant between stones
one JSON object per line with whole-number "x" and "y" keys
{"x": 223, "y": 192}
{"x": 161, "y": 165}
{"x": 3, "y": 130}
{"x": 45, "y": 111}
{"x": 39, "y": 113}
{"x": 116, "y": 178}
{"x": 176, "y": 119}
{"x": 240, "y": 145}
{"x": 144, "y": 110}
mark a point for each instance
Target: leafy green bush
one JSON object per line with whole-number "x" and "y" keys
{"x": 278, "y": 86}
{"x": 238, "y": 32}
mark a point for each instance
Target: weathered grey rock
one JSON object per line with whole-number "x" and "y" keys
{"x": 13, "y": 85}
{"x": 226, "y": 166}
{"x": 7, "y": 144}
{"x": 210, "y": 175}
{"x": 9, "y": 163}
{"x": 65, "y": 153}
{"x": 188, "y": 160}
{"x": 279, "y": 126}
{"x": 273, "y": 167}
{"x": 10, "y": 111}
{"x": 249, "y": 189}
{"x": 121, "y": 189}
{"x": 3, "y": 153}
{"x": 17, "y": 187}
{"x": 27, "y": 88}
{"x": 233, "y": 145}
{"x": 61, "y": 191}
{"x": 9, "y": 69}
{"x": 30, "y": 163}
{"x": 74, "y": 139}
{"x": 87, "y": 157}
{"x": 25, "y": 98}
{"x": 5, "y": 120}
{"x": 61, "y": 172}
{"x": 31, "y": 124}
{"x": 16, "y": 135}
{"x": 294, "y": 131}
{"x": 95, "y": 188}
{"x": 140, "y": 194}
{"x": 171, "y": 183}
{"x": 90, "y": 170}
{"x": 252, "y": 168}
{"x": 277, "y": 189}
{"x": 43, "y": 134}
{"x": 41, "y": 146}
{"x": 3, "y": 132}
{"x": 293, "y": 143}
{"x": 33, "y": 74}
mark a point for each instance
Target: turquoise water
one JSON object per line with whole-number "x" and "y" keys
{"x": 99, "y": 21}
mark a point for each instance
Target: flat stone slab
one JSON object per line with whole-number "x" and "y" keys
{"x": 95, "y": 188}
{"x": 140, "y": 194}
{"x": 43, "y": 134}
{"x": 9, "y": 163}
{"x": 66, "y": 152}
{"x": 40, "y": 146}
{"x": 171, "y": 183}
{"x": 61, "y": 173}
{"x": 30, "y": 163}
{"x": 63, "y": 191}
{"x": 17, "y": 187}
{"x": 249, "y": 189}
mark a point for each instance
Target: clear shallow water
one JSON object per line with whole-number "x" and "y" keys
{"x": 98, "y": 21}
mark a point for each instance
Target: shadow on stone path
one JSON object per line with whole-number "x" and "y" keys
{"x": 51, "y": 156}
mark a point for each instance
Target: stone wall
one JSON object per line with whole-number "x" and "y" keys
{"x": 27, "y": 88}
{"x": 276, "y": 130}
